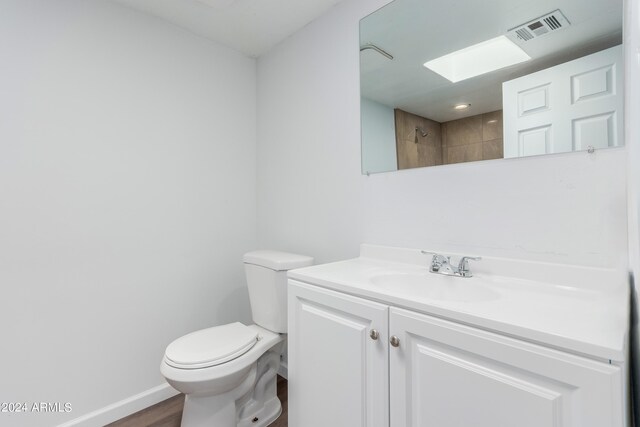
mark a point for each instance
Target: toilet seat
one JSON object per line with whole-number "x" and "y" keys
{"x": 210, "y": 347}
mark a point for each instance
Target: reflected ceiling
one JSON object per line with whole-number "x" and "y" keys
{"x": 415, "y": 34}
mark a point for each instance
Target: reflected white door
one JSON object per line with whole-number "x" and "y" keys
{"x": 569, "y": 107}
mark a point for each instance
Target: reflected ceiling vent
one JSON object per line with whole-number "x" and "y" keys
{"x": 539, "y": 27}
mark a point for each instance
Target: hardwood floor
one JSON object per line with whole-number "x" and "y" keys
{"x": 164, "y": 414}
{"x": 169, "y": 412}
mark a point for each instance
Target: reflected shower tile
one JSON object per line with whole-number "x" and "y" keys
{"x": 464, "y": 131}
{"x": 492, "y": 125}
{"x": 407, "y": 155}
{"x": 464, "y": 153}
{"x": 492, "y": 149}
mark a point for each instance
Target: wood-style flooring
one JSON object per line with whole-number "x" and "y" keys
{"x": 169, "y": 412}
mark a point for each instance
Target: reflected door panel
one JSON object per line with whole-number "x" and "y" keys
{"x": 570, "y": 107}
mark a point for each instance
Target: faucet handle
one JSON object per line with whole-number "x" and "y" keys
{"x": 437, "y": 261}
{"x": 463, "y": 265}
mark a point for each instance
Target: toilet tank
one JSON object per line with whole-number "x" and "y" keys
{"x": 266, "y": 273}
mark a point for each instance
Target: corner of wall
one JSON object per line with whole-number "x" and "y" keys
{"x": 632, "y": 136}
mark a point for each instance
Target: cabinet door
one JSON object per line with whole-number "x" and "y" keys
{"x": 338, "y": 374}
{"x": 448, "y": 375}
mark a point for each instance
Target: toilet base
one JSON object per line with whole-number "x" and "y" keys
{"x": 204, "y": 411}
{"x": 254, "y": 403}
{"x": 261, "y": 406}
{"x": 268, "y": 414}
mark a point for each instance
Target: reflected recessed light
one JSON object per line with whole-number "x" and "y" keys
{"x": 492, "y": 121}
{"x": 461, "y": 107}
{"x": 478, "y": 59}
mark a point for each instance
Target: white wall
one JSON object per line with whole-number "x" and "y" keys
{"x": 309, "y": 182}
{"x": 632, "y": 40}
{"x": 312, "y": 198}
{"x": 563, "y": 208}
{"x": 127, "y": 197}
{"x": 378, "y": 137}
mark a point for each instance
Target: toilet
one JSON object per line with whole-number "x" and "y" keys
{"x": 228, "y": 372}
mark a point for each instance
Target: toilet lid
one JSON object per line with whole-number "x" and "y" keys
{"x": 210, "y": 347}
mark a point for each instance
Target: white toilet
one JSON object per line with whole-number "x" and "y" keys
{"x": 228, "y": 372}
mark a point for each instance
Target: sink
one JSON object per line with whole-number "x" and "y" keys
{"x": 435, "y": 287}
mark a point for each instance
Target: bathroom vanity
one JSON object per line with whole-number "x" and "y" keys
{"x": 380, "y": 341}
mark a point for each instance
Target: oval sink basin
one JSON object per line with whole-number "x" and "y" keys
{"x": 436, "y": 287}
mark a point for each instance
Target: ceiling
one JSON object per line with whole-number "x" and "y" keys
{"x": 249, "y": 26}
{"x": 415, "y": 31}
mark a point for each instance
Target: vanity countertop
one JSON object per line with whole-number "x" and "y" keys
{"x": 579, "y": 309}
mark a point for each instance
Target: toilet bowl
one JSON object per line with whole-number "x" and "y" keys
{"x": 228, "y": 373}
{"x": 212, "y": 391}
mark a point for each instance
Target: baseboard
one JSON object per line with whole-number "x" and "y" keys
{"x": 123, "y": 408}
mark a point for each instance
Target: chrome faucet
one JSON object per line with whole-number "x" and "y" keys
{"x": 442, "y": 265}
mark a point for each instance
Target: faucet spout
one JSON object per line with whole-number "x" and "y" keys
{"x": 463, "y": 266}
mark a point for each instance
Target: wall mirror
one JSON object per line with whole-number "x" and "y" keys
{"x": 467, "y": 80}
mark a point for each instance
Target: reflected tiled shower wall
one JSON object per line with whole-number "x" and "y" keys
{"x": 464, "y": 140}
{"x": 473, "y": 138}
{"x": 413, "y": 148}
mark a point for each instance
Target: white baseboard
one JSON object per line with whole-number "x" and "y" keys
{"x": 123, "y": 408}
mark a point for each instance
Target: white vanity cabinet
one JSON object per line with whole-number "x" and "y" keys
{"x": 343, "y": 371}
{"x": 338, "y": 359}
{"x": 449, "y": 375}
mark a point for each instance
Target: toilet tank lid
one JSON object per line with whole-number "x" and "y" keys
{"x": 276, "y": 260}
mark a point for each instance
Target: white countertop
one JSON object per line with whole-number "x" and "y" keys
{"x": 578, "y": 309}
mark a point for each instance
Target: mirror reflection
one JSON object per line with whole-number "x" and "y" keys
{"x": 467, "y": 80}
